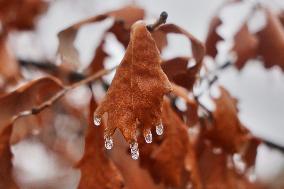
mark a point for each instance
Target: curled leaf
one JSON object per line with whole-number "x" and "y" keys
{"x": 26, "y": 98}
{"x": 180, "y": 70}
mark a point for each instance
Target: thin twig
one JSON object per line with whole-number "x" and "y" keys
{"x": 62, "y": 92}
{"x": 162, "y": 20}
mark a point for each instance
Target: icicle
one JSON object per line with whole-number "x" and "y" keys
{"x": 148, "y": 136}
{"x": 159, "y": 129}
{"x": 108, "y": 142}
{"x": 97, "y": 120}
{"x": 134, "y": 150}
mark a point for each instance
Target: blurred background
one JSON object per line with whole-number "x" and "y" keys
{"x": 260, "y": 91}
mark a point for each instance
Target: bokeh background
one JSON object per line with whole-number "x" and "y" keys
{"x": 260, "y": 91}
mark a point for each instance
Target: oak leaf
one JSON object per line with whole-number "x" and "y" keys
{"x": 6, "y": 175}
{"x": 97, "y": 170}
{"x": 182, "y": 70}
{"x": 171, "y": 158}
{"x": 26, "y": 98}
{"x": 226, "y": 130}
{"x": 137, "y": 90}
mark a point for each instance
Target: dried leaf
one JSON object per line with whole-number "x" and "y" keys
{"x": 9, "y": 70}
{"x": 245, "y": 46}
{"x": 120, "y": 28}
{"x": 271, "y": 41}
{"x": 213, "y": 37}
{"x": 216, "y": 174}
{"x": 6, "y": 175}
{"x": 26, "y": 97}
{"x": 20, "y": 14}
{"x": 98, "y": 61}
{"x": 134, "y": 176}
{"x": 97, "y": 170}
{"x": 171, "y": 159}
{"x": 180, "y": 70}
{"x": 138, "y": 87}
{"x": 226, "y": 130}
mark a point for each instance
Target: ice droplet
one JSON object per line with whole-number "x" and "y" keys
{"x": 108, "y": 142}
{"x": 97, "y": 120}
{"x": 159, "y": 129}
{"x": 148, "y": 136}
{"x": 134, "y": 150}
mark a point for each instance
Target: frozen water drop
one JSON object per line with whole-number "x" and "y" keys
{"x": 159, "y": 129}
{"x": 134, "y": 150}
{"x": 97, "y": 120}
{"x": 108, "y": 142}
{"x": 148, "y": 136}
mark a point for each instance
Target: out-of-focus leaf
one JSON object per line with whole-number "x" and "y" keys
{"x": 271, "y": 41}
{"x": 171, "y": 158}
{"x": 6, "y": 176}
{"x": 26, "y": 97}
{"x": 123, "y": 21}
{"x": 97, "y": 170}
{"x": 213, "y": 37}
{"x": 138, "y": 87}
{"x": 20, "y": 14}
{"x": 9, "y": 70}
{"x": 179, "y": 69}
{"x": 245, "y": 46}
{"x": 226, "y": 130}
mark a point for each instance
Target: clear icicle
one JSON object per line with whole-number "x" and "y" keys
{"x": 148, "y": 136}
{"x": 108, "y": 142}
{"x": 160, "y": 129}
{"x": 134, "y": 150}
{"x": 97, "y": 120}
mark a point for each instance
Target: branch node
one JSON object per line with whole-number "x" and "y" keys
{"x": 162, "y": 20}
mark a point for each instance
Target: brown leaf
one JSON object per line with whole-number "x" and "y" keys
{"x": 212, "y": 37}
{"x": 9, "y": 70}
{"x": 179, "y": 69}
{"x": 134, "y": 176}
{"x": 20, "y": 14}
{"x": 245, "y": 46}
{"x": 98, "y": 61}
{"x": 226, "y": 130}
{"x": 97, "y": 170}
{"x": 138, "y": 87}
{"x": 6, "y": 175}
{"x": 171, "y": 159}
{"x": 26, "y": 97}
{"x": 271, "y": 41}
{"x": 216, "y": 174}
{"x": 124, "y": 18}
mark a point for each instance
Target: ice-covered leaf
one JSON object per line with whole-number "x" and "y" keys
{"x": 138, "y": 87}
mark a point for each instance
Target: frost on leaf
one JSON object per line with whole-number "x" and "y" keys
{"x": 171, "y": 159}
{"x": 134, "y": 99}
{"x": 97, "y": 170}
